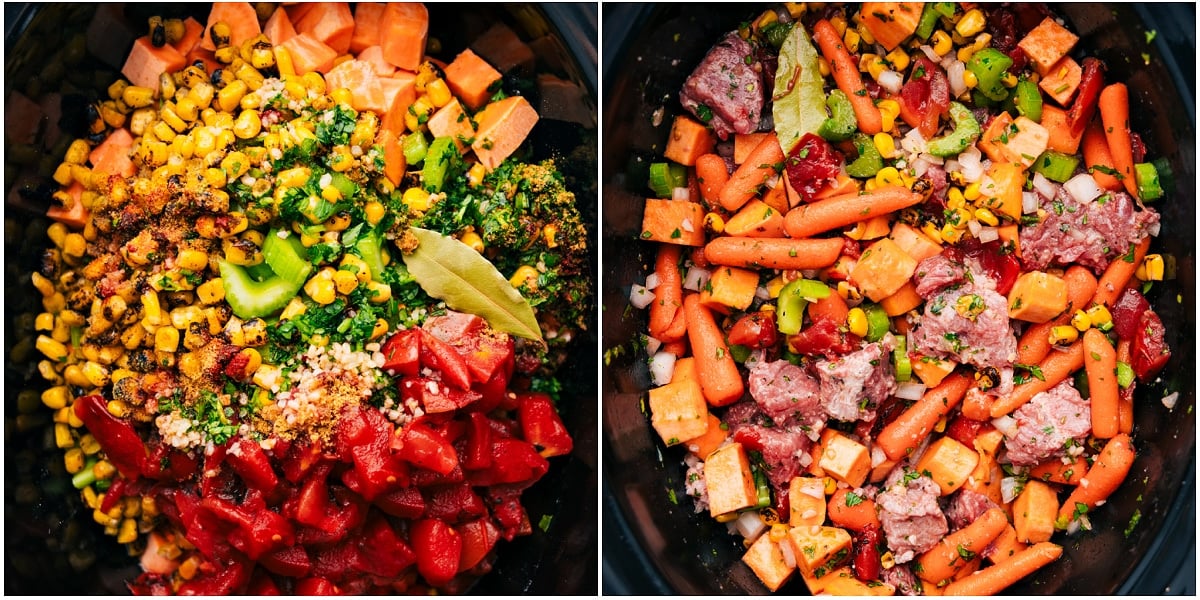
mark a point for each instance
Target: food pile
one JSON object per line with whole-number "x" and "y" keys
{"x": 304, "y": 303}
{"x": 900, "y": 299}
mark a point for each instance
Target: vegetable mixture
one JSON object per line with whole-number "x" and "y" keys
{"x": 304, "y": 303}
{"x": 899, "y": 304}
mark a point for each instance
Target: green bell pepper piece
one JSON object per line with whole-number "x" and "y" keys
{"x": 989, "y": 66}
{"x": 869, "y": 161}
{"x": 966, "y": 131}
{"x": 1028, "y": 100}
{"x": 1124, "y": 374}
{"x": 878, "y": 321}
{"x": 793, "y": 298}
{"x": 900, "y": 361}
{"x": 842, "y": 124}
{"x": 1148, "y": 185}
{"x": 437, "y": 163}
{"x": 414, "y": 147}
{"x": 929, "y": 20}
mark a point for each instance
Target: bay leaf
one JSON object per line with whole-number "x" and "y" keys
{"x": 799, "y": 95}
{"x": 453, "y": 272}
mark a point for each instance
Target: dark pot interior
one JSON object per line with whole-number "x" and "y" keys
{"x": 52, "y": 545}
{"x": 652, "y": 545}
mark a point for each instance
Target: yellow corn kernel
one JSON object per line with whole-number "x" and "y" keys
{"x": 136, "y": 96}
{"x": 192, "y": 260}
{"x": 1062, "y": 335}
{"x": 886, "y": 145}
{"x": 524, "y": 275}
{"x": 62, "y": 174}
{"x": 342, "y": 96}
{"x": 320, "y": 287}
{"x": 951, "y": 234}
{"x": 955, "y": 198}
{"x": 439, "y": 92}
{"x": 887, "y": 122}
{"x": 839, "y": 24}
{"x": 970, "y": 23}
{"x": 77, "y": 152}
{"x": 856, "y": 320}
{"x": 714, "y": 222}
{"x": 942, "y": 44}
{"x": 44, "y": 285}
{"x": 166, "y": 339}
{"x": 473, "y": 240}
{"x": 851, "y": 40}
{"x": 1152, "y": 268}
{"x": 96, "y": 374}
{"x": 74, "y": 245}
{"x": 73, "y": 460}
{"x": 62, "y": 435}
{"x": 127, "y": 533}
{"x": 823, "y": 67}
{"x": 957, "y": 217}
{"x": 381, "y": 327}
{"x": 283, "y": 61}
{"x": 331, "y": 193}
{"x": 1009, "y": 80}
{"x": 986, "y": 217}
{"x": 416, "y": 199}
{"x": 1081, "y": 321}
{"x": 889, "y": 107}
{"x": 43, "y": 322}
{"x": 74, "y": 376}
{"x": 971, "y": 192}
{"x": 899, "y": 59}
{"x": 248, "y": 125}
{"x": 871, "y": 185}
{"x": 965, "y": 53}
{"x": 876, "y": 68}
{"x": 51, "y": 348}
{"x": 294, "y": 177}
{"x": 887, "y": 175}
{"x": 374, "y": 211}
{"x": 230, "y": 96}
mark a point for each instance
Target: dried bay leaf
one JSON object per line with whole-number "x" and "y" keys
{"x": 451, "y": 271}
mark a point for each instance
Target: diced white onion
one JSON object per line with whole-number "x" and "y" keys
{"x": 810, "y": 273}
{"x": 756, "y": 356}
{"x": 1006, "y": 425}
{"x": 696, "y": 279}
{"x": 773, "y": 181}
{"x": 1073, "y": 527}
{"x": 681, "y": 193}
{"x": 1029, "y": 202}
{"x": 1083, "y": 188}
{"x": 954, "y": 74}
{"x": 988, "y": 234}
{"x": 1153, "y": 229}
{"x": 878, "y": 456}
{"x": 652, "y": 281}
{"x": 910, "y": 390}
{"x": 687, "y": 225}
{"x": 762, "y": 293}
{"x": 890, "y": 81}
{"x": 913, "y": 142}
{"x": 804, "y": 459}
{"x": 974, "y": 227}
{"x": 1170, "y": 399}
{"x": 789, "y": 559}
{"x": 970, "y": 163}
{"x": 652, "y": 344}
{"x": 640, "y": 297}
{"x": 750, "y": 525}
{"x": 662, "y": 367}
{"x": 1008, "y": 489}
{"x": 1044, "y": 186}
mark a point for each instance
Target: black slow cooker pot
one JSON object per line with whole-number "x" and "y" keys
{"x": 653, "y": 541}
{"x": 52, "y": 544}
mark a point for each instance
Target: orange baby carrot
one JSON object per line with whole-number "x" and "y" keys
{"x": 808, "y": 220}
{"x": 1100, "y": 361}
{"x": 845, "y": 73}
{"x": 713, "y": 175}
{"x": 773, "y": 253}
{"x": 1105, "y": 476}
{"x": 951, "y": 553}
{"x": 854, "y": 518}
{"x": 721, "y": 384}
{"x": 1053, "y": 470}
{"x": 1125, "y": 407}
{"x": 1116, "y": 276}
{"x": 1054, "y": 368}
{"x": 902, "y": 436}
{"x": 764, "y": 161}
{"x": 1096, "y": 154}
{"x": 667, "y": 322}
{"x": 1114, "y": 113}
{"x": 994, "y": 579}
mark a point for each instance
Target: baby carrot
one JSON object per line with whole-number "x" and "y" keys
{"x": 764, "y": 161}
{"x": 854, "y": 518}
{"x": 1106, "y": 474}
{"x": 1053, "y": 470}
{"x": 902, "y": 436}
{"x": 1116, "y": 276}
{"x": 713, "y": 175}
{"x": 1114, "y": 113}
{"x": 1125, "y": 407}
{"x": 666, "y": 310}
{"x": 721, "y": 383}
{"x": 1055, "y": 368}
{"x": 810, "y": 219}
{"x": 977, "y": 404}
{"x": 1096, "y": 154}
{"x": 996, "y": 578}
{"x": 773, "y": 253}
{"x": 952, "y": 552}
{"x": 1100, "y": 361}
{"x": 845, "y": 73}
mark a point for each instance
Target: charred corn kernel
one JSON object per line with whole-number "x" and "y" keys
{"x": 856, "y": 320}
{"x": 262, "y": 57}
{"x": 965, "y": 53}
{"x": 958, "y": 217}
{"x": 865, "y": 60}
{"x": 73, "y": 460}
{"x": 378, "y": 292}
{"x": 96, "y": 374}
{"x": 439, "y": 92}
{"x": 426, "y": 73}
{"x": 188, "y": 568}
{"x": 374, "y": 212}
{"x": 51, "y": 348}
{"x": 314, "y": 81}
{"x": 1152, "y": 268}
{"x": 971, "y": 192}
{"x": 88, "y": 444}
{"x": 970, "y": 23}
{"x": 77, "y": 152}
{"x": 40, "y": 282}
{"x": 381, "y": 327}
{"x": 1099, "y": 317}
{"x": 886, "y": 145}
{"x": 220, "y": 32}
{"x": 986, "y": 217}
{"x": 342, "y": 159}
{"x": 851, "y": 40}
{"x": 550, "y": 234}
{"x": 887, "y": 175}
{"x": 136, "y": 96}
{"x": 320, "y": 287}
{"x": 728, "y": 517}
{"x": 127, "y": 533}
{"x": 345, "y": 281}
{"x": 166, "y": 339}
{"x": 899, "y": 59}
{"x": 248, "y": 125}
{"x": 74, "y": 376}
{"x": 342, "y": 96}
{"x": 416, "y": 199}
{"x": 117, "y": 88}
{"x": 235, "y": 164}
{"x": 204, "y": 141}
{"x": 473, "y": 240}
{"x": 56, "y": 397}
{"x": 140, "y": 120}
{"x": 246, "y": 72}
{"x": 230, "y": 96}
{"x": 714, "y": 222}
{"x": 524, "y": 275}
{"x": 942, "y": 44}
{"x": 1062, "y": 335}
{"x": 887, "y": 560}
{"x": 839, "y": 24}
{"x": 951, "y": 234}
{"x": 1081, "y": 321}
{"x": 357, "y": 266}
{"x": 823, "y": 67}
{"x": 62, "y": 435}
{"x": 74, "y": 245}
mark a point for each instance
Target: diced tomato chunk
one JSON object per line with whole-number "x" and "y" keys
{"x": 542, "y": 425}
{"x": 438, "y": 547}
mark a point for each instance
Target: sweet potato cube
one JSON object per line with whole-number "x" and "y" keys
{"x": 1019, "y": 140}
{"x": 146, "y": 63}
{"x": 712, "y": 438}
{"x": 470, "y": 78}
{"x": 678, "y": 411}
{"x": 1037, "y": 297}
{"x": 880, "y": 471}
{"x": 985, "y": 479}
{"x": 913, "y": 242}
{"x": 1054, "y": 119}
{"x": 891, "y": 22}
{"x": 688, "y": 140}
{"x": 450, "y": 121}
{"x": 815, "y": 547}
{"x": 1046, "y": 44}
{"x": 685, "y": 370}
{"x": 1062, "y": 80}
{"x": 757, "y": 219}
{"x": 730, "y": 287}
{"x": 766, "y": 560}
{"x": 806, "y": 500}
{"x": 988, "y": 441}
{"x": 882, "y": 270}
{"x": 931, "y": 370}
{"x": 674, "y": 222}
{"x": 904, "y": 300}
{"x": 729, "y": 480}
{"x": 1034, "y": 512}
{"x": 949, "y": 463}
{"x": 744, "y": 144}
{"x": 503, "y": 127}
{"x": 1002, "y": 187}
{"x": 842, "y": 582}
{"x": 844, "y": 459}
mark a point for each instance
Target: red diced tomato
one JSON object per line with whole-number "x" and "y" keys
{"x": 381, "y": 551}
{"x": 1127, "y": 313}
{"x": 542, "y": 425}
{"x": 406, "y": 503}
{"x": 454, "y": 503}
{"x": 292, "y": 561}
{"x": 252, "y": 465}
{"x": 402, "y": 352}
{"x": 446, "y": 359}
{"x": 121, "y": 443}
{"x": 438, "y": 547}
{"x": 478, "y": 539}
{"x": 426, "y": 448}
{"x": 755, "y": 330}
{"x": 316, "y": 586}
{"x": 478, "y": 446}
{"x": 1150, "y": 351}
